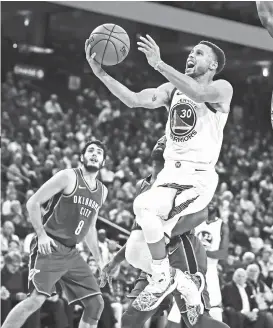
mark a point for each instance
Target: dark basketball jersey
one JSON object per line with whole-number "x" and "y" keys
{"x": 144, "y": 186}
{"x": 68, "y": 217}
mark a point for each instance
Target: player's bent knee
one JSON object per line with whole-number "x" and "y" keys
{"x": 93, "y": 308}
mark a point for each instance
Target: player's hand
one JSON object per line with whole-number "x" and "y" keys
{"x": 45, "y": 243}
{"x": 95, "y": 66}
{"x": 107, "y": 273}
{"x": 5, "y": 294}
{"x": 150, "y": 49}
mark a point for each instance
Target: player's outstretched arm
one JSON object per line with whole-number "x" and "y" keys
{"x": 222, "y": 252}
{"x": 219, "y": 91}
{"x": 53, "y": 186}
{"x": 148, "y": 98}
{"x": 265, "y": 12}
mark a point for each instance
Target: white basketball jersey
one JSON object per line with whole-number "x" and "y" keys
{"x": 194, "y": 132}
{"x": 210, "y": 236}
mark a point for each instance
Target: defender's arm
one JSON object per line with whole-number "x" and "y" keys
{"x": 222, "y": 252}
{"x": 53, "y": 186}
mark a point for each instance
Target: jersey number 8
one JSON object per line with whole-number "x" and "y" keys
{"x": 79, "y": 227}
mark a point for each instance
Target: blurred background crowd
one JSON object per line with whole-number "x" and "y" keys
{"x": 44, "y": 127}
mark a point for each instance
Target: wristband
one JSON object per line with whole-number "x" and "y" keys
{"x": 158, "y": 63}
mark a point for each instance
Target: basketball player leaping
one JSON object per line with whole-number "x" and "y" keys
{"x": 75, "y": 197}
{"x": 181, "y": 243}
{"x": 198, "y": 109}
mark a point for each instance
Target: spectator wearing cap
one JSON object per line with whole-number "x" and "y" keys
{"x": 52, "y": 106}
{"x": 7, "y": 235}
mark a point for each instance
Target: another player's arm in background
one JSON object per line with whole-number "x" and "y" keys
{"x": 148, "y": 98}
{"x": 222, "y": 252}
{"x": 53, "y": 186}
{"x": 265, "y": 12}
{"x": 91, "y": 238}
{"x": 189, "y": 222}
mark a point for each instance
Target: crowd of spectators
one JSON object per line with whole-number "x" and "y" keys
{"x": 41, "y": 134}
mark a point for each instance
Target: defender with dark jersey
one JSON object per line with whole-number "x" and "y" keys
{"x": 74, "y": 198}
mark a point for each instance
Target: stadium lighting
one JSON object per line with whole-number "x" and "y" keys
{"x": 265, "y": 71}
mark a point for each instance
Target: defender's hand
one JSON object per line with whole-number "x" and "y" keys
{"x": 107, "y": 273}
{"x": 150, "y": 49}
{"x": 44, "y": 244}
{"x": 95, "y": 66}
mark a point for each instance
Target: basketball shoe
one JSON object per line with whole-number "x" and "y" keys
{"x": 190, "y": 286}
{"x": 162, "y": 283}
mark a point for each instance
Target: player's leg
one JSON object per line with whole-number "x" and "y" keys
{"x": 214, "y": 291}
{"x": 20, "y": 313}
{"x": 93, "y": 307}
{"x": 204, "y": 321}
{"x": 149, "y": 217}
{"x": 133, "y": 318}
{"x": 79, "y": 284}
{"x": 45, "y": 271}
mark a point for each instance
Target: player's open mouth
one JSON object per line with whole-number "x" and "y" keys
{"x": 190, "y": 64}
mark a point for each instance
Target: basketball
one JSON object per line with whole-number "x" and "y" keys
{"x": 111, "y": 44}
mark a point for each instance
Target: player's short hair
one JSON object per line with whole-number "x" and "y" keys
{"x": 220, "y": 55}
{"x": 97, "y": 142}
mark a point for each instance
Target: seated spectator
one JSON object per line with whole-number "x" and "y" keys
{"x": 17, "y": 171}
{"x": 52, "y": 106}
{"x": 256, "y": 241}
{"x": 13, "y": 288}
{"x": 247, "y": 258}
{"x": 262, "y": 293}
{"x": 11, "y": 196}
{"x": 240, "y": 307}
{"x": 7, "y": 235}
{"x": 103, "y": 246}
{"x": 245, "y": 203}
{"x": 266, "y": 260}
{"x": 239, "y": 237}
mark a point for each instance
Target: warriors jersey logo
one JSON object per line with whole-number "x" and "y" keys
{"x": 182, "y": 119}
{"x": 205, "y": 237}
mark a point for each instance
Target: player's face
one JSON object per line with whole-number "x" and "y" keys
{"x": 93, "y": 159}
{"x": 199, "y": 61}
{"x": 157, "y": 152}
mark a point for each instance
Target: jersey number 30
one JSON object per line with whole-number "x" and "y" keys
{"x": 79, "y": 227}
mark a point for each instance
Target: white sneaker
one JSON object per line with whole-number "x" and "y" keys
{"x": 190, "y": 286}
{"x": 160, "y": 285}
